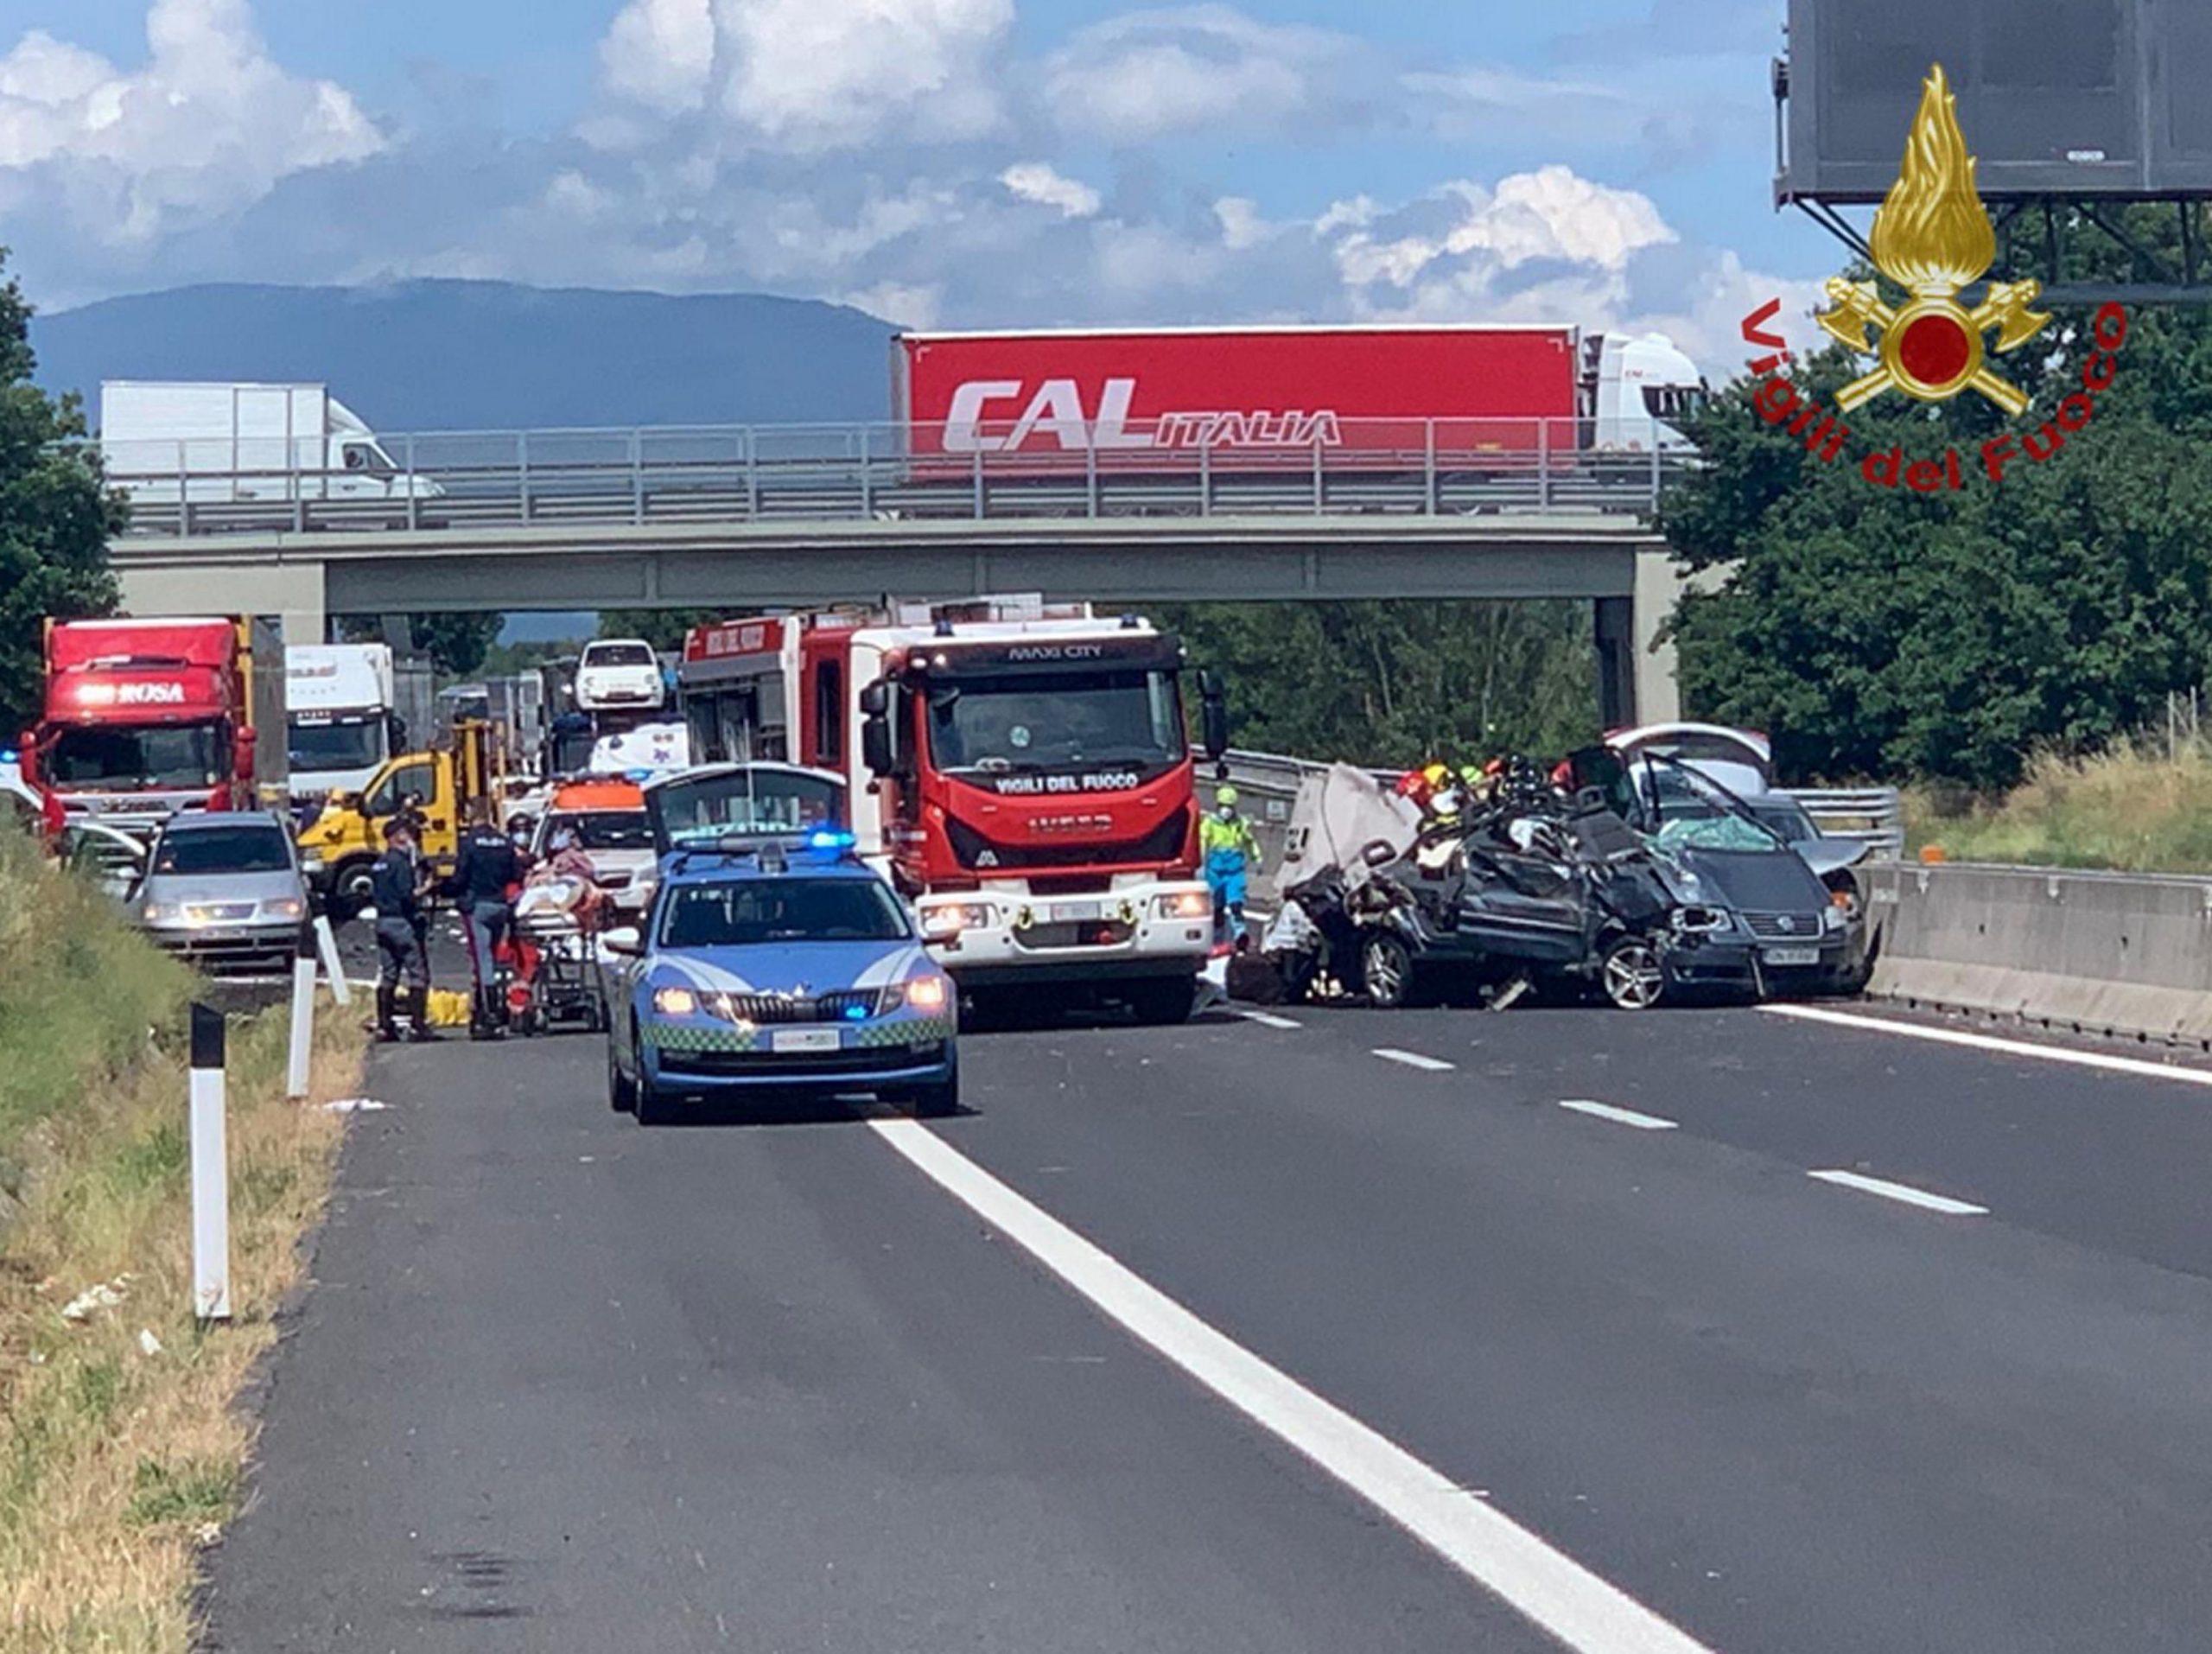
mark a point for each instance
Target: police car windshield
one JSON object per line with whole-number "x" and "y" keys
{"x": 751, "y": 913}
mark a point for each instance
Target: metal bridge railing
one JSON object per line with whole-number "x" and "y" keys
{"x": 1189, "y": 466}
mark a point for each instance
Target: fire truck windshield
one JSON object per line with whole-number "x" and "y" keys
{"x": 172, "y": 755}
{"x": 1056, "y": 721}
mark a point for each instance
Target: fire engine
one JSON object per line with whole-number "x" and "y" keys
{"x": 1019, "y": 768}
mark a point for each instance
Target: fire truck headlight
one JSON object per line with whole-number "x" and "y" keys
{"x": 1186, "y": 904}
{"x": 942, "y": 923}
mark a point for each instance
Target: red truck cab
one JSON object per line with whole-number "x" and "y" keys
{"x": 145, "y": 718}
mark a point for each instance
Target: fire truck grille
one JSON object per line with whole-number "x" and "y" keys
{"x": 1163, "y": 843}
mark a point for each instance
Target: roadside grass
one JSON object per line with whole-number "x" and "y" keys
{"x": 2136, "y": 807}
{"x": 120, "y": 1441}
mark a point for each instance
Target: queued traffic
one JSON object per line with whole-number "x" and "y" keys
{"x": 794, "y": 854}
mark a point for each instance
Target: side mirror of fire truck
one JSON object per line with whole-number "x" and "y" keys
{"x": 242, "y": 746}
{"x": 1213, "y": 715}
{"x": 875, "y": 730}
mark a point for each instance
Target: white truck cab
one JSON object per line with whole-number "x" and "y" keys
{"x": 1639, "y": 389}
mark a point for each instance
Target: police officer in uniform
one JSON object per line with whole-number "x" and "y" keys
{"x": 490, "y": 866}
{"x": 402, "y": 971}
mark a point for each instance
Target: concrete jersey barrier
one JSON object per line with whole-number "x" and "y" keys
{"x": 2113, "y": 953}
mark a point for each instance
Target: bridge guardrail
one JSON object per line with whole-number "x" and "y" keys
{"x": 887, "y": 472}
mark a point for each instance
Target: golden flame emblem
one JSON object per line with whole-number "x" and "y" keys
{"x": 1932, "y": 236}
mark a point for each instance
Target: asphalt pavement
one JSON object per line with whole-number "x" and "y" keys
{"x": 1792, "y": 1336}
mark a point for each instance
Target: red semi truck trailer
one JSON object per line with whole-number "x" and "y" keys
{"x": 148, "y": 717}
{"x": 1020, "y": 769}
{"x": 1133, "y": 396}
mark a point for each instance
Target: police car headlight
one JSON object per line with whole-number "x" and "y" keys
{"x": 942, "y": 923}
{"x": 675, "y": 1002}
{"x": 921, "y": 994}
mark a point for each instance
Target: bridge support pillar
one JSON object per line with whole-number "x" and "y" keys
{"x": 1659, "y": 587}
{"x": 291, "y": 591}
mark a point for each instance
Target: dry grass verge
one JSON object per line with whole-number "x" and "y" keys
{"x": 120, "y": 1444}
{"x": 2137, "y": 807}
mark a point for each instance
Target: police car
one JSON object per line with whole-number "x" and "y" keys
{"x": 771, "y": 965}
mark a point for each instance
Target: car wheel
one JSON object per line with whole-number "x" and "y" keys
{"x": 621, "y": 1090}
{"x": 350, "y": 886}
{"x": 1386, "y": 969}
{"x": 1632, "y": 976}
{"x": 1163, "y": 1001}
{"x": 651, "y": 1108}
{"x": 940, "y": 1101}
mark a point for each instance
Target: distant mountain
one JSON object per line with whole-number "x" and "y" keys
{"x": 445, "y": 355}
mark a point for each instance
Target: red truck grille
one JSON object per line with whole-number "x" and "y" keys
{"x": 1163, "y": 843}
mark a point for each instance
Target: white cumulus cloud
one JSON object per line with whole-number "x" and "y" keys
{"x": 209, "y": 124}
{"x": 1038, "y": 181}
{"x": 1148, "y": 74}
{"x": 808, "y": 76}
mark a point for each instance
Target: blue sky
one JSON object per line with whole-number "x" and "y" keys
{"x": 938, "y": 162}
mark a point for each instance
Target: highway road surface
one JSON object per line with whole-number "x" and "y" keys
{"x": 1331, "y": 1331}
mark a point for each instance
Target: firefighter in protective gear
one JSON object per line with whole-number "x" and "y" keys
{"x": 1231, "y": 853}
{"x": 403, "y": 968}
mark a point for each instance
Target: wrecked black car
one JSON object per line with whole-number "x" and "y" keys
{"x": 1523, "y": 891}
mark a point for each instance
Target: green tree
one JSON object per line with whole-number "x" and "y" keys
{"x": 664, "y": 628}
{"x": 1873, "y": 631}
{"x": 457, "y": 644}
{"x": 57, "y": 515}
{"x": 1400, "y": 681}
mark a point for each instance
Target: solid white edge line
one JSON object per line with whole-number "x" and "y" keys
{"x": 2138, "y": 1067}
{"x": 1413, "y": 1060}
{"x": 1269, "y": 1020}
{"x": 1618, "y": 1117}
{"x": 1558, "y": 1594}
{"x": 1902, "y": 1192}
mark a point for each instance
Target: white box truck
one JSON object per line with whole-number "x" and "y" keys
{"x": 348, "y": 708}
{"x": 216, "y": 442}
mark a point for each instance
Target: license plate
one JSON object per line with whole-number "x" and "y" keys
{"x": 1792, "y": 955}
{"x": 1064, "y": 912}
{"x": 804, "y": 1039}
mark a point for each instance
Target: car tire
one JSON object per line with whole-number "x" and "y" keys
{"x": 1386, "y": 973}
{"x": 940, "y": 1101}
{"x": 652, "y": 1107}
{"x": 349, "y": 886}
{"x": 1632, "y": 975}
{"x": 621, "y": 1090}
{"x": 1162, "y": 1002}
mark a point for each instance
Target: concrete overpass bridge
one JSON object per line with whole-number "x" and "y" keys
{"x": 742, "y": 519}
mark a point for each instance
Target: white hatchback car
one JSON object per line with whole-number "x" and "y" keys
{"x": 619, "y": 674}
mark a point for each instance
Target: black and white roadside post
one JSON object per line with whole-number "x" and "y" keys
{"x": 211, "y": 1177}
{"x": 334, "y": 968}
{"x": 302, "y": 1048}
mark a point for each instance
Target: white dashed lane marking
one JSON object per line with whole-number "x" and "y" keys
{"x": 1618, "y": 1117}
{"x": 1903, "y": 1193}
{"x": 1269, "y": 1020}
{"x": 1413, "y": 1059}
